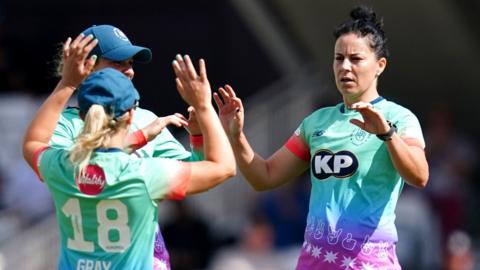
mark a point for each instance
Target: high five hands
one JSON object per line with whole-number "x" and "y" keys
{"x": 76, "y": 66}
{"x": 230, "y": 110}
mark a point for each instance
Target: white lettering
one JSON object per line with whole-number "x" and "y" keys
{"x": 340, "y": 162}
{"x": 81, "y": 264}
{"x": 91, "y": 180}
{"x": 106, "y": 265}
{"x": 89, "y": 265}
{"x": 321, "y": 164}
{"x": 84, "y": 264}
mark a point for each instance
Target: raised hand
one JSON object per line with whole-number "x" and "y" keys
{"x": 76, "y": 66}
{"x": 230, "y": 110}
{"x": 373, "y": 120}
{"x": 194, "y": 88}
{"x": 156, "y": 127}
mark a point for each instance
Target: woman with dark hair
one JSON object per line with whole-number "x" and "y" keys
{"x": 360, "y": 153}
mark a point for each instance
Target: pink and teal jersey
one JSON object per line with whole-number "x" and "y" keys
{"x": 355, "y": 188}
{"x": 164, "y": 146}
{"x": 108, "y": 216}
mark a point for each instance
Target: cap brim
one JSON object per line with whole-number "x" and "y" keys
{"x": 139, "y": 54}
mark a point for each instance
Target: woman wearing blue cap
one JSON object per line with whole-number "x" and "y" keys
{"x": 105, "y": 199}
{"x": 149, "y": 136}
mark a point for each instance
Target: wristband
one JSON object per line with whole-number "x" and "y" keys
{"x": 388, "y": 136}
{"x": 196, "y": 141}
{"x": 137, "y": 140}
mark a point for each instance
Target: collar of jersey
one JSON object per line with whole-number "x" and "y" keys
{"x": 373, "y": 102}
{"x": 109, "y": 150}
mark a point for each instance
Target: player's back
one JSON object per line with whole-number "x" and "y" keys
{"x": 107, "y": 217}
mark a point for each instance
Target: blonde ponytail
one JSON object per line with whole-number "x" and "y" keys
{"x": 97, "y": 131}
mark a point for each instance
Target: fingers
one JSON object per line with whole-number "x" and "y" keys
{"x": 177, "y": 120}
{"x": 80, "y": 47}
{"x": 203, "y": 69}
{"x": 90, "y": 64}
{"x": 89, "y": 47}
{"x": 218, "y": 100}
{"x": 230, "y": 91}
{"x": 191, "y": 113}
{"x": 179, "y": 84}
{"x": 361, "y": 105}
{"x": 228, "y": 97}
{"x": 224, "y": 94}
{"x": 83, "y": 43}
{"x": 192, "y": 73}
{"x": 184, "y": 68}
{"x": 357, "y": 123}
{"x": 238, "y": 104}
{"x": 180, "y": 116}
{"x": 66, "y": 47}
{"x": 77, "y": 40}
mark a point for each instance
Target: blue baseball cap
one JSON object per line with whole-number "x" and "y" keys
{"x": 109, "y": 88}
{"x": 114, "y": 45}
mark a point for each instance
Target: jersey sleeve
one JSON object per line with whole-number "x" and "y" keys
{"x": 47, "y": 162}
{"x": 408, "y": 127}
{"x": 298, "y": 145}
{"x": 68, "y": 127}
{"x": 166, "y": 146}
{"x": 166, "y": 178}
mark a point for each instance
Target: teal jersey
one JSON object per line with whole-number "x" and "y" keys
{"x": 164, "y": 145}
{"x": 107, "y": 217}
{"x": 355, "y": 187}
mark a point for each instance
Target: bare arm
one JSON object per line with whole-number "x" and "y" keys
{"x": 407, "y": 155}
{"x": 219, "y": 163}
{"x": 262, "y": 174}
{"x": 409, "y": 159}
{"x": 76, "y": 68}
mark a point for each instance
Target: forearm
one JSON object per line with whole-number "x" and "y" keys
{"x": 409, "y": 161}
{"x": 254, "y": 168}
{"x": 216, "y": 145}
{"x": 42, "y": 126}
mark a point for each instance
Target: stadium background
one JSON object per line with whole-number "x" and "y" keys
{"x": 277, "y": 54}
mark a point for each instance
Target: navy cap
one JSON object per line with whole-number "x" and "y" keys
{"x": 109, "y": 88}
{"x": 114, "y": 45}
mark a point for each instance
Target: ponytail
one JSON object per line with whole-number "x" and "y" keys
{"x": 98, "y": 129}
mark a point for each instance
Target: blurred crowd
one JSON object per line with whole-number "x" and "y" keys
{"x": 439, "y": 227}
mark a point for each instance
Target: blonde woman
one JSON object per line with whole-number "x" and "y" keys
{"x": 105, "y": 199}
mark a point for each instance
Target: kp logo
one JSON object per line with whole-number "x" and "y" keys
{"x": 341, "y": 164}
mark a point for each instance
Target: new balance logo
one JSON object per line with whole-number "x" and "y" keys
{"x": 318, "y": 132}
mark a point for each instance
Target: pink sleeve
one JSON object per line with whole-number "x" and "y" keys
{"x": 36, "y": 155}
{"x": 178, "y": 189}
{"x": 298, "y": 147}
{"x": 137, "y": 140}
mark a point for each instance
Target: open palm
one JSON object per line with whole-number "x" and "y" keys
{"x": 373, "y": 120}
{"x": 230, "y": 110}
